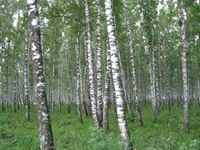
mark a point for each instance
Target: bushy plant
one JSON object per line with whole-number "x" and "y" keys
{"x": 102, "y": 141}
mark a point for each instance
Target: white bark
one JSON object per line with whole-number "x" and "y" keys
{"x": 90, "y": 67}
{"x": 78, "y": 90}
{"x": 140, "y": 122}
{"x": 116, "y": 77}
{"x": 99, "y": 76}
{"x": 45, "y": 131}
{"x": 107, "y": 90}
{"x": 184, "y": 67}
{"x": 26, "y": 75}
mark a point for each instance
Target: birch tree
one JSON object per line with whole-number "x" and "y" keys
{"x": 26, "y": 73}
{"x": 90, "y": 66}
{"x": 107, "y": 90}
{"x": 124, "y": 132}
{"x": 184, "y": 65}
{"x": 99, "y": 76}
{"x": 45, "y": 131}
{"x": 130, "y": 35}
{"x": 78, "y": 89}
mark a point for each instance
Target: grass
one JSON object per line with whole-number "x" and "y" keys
{"x": 166, "y": 132}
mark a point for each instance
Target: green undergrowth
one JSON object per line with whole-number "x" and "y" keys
{"x": 166, "y": 132}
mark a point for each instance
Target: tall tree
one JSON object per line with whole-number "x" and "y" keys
{"x": 130, "y": 35}
{"x": 149, "y": 13}
{"x": 78, "y": 87}
{"x": 99, "y": 76}
{"x": 116, "y": 77}
{"x": 184, "y": 65}
{"x": 107, "y": 90}
{"x": 26, "y": 73}
{"x": 90, "y": 66}
{"x": 1, "y": 80}
{"x": 45, "y": 130}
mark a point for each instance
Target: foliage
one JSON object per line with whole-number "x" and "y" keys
{"x": 165, "y": 132}
{"x": 102, "y": 141}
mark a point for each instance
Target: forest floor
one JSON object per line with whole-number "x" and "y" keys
{"x": 166, "y": 132}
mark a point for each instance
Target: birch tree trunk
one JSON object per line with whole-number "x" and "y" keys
{"x": 184, "y": 66}
{"x": 26, "y": 74}
{"x": 152, "y": 80}
{"x": 107, "y": 90}
{"x": 59, "y": 80}
{"x": 1, "y": 79}
{"x": 15, "y": 76}
{"x": 99, "y": 76}
{"x": 78, "y": 97}
{"x": 130, "y": 35}
{"x": 116, "y": 77}
{"x": 90, "y": 67}
{"x": 7, "y": 98}
{"x": 167, "y": 86}
{"x": 86, "y": 79}
{"x": 42, "y": 29}
{"x": 68, "y": 83}
{"x": 45, "y": 130}
{"x": 82, "y": 89}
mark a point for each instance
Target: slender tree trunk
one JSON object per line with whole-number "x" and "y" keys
{"x": 116, "y": 77}
{"x": 15, "y": 75}
{"x": 26, "y": 74}
{"x": 152, "y": 80}
{"x": 168, "y": 92}
{"x": 68, "y": 83}
{"x": 156, "y": 70}
{"x": 7, "y": 75}
{"x": 78, "y": 90}
{"x": 107, "y": 91}
{"x": 130, "y": 35}
{"x": 90, "y": 67}
{"x": 1, "y": 80}
{"x": 129, "y": 93}
{"x": 184, "y": 67}
{"x": 59, "y": 81}
{"x": 53, "y": 88}
{"x": 99, "y": 76}
{"x": 82, "y": 92}
{"x": 86, "y": 78}
{"x": 42, "y": 28}
{"x": 45, "y": 130}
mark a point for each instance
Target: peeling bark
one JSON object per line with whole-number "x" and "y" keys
{"x": 107, "y": 91}
{"x": 90, "y": 66}
{"x": 26, "y": 75}
{"x": 124, "y": 132}
{"x": 99, "y": 76}
{"x": 45, "y": 130}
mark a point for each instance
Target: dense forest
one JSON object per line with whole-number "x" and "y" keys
{"x": 92, "y": 57}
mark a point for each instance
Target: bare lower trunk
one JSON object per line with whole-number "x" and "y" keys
{"x": 99, "y": 76}
{"x": 107, "y": 91}
{"x": 78, "y": 90}
{"x": 184, "y": 67}
{"x": 90, "y": 67}
{"x": 45, "y": 130}
{"x": 139, "y": 116}
{"x": 26, "y": 76}
{"x": 116, "y": 77}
